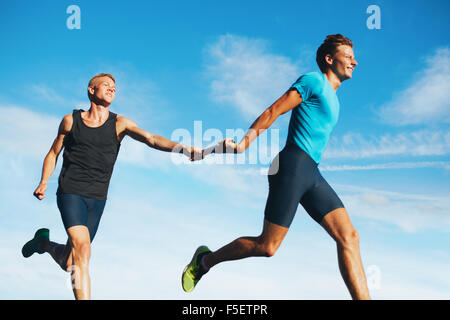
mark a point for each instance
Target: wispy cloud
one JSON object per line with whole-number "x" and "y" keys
{"x": 46, "y": 93}
{"x": 25, "y": 132}
{"x": 138, "y": 96}
{"x": 410, "y": 212}
{"x": 246, "y": 75}
{"x": 416, "y": 143}
{"x": 391, "y": 165}
{"x": 427, "y": 99}
{"x": 57, "y": 97}
{"x": 138, "y": 154}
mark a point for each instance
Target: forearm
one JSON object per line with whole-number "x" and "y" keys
{"x": 262, "y": 123}
{"x": 163, "y": 144}
{"x": 48, "y": 167}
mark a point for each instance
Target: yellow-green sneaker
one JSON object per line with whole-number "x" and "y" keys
{"x": 193, "y": 272}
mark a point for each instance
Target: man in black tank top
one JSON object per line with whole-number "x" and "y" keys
{"x": 91, "y": 141}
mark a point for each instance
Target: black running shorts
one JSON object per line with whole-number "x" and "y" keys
{"x": 297, "y": 180}
{"x": 80, "y": 211}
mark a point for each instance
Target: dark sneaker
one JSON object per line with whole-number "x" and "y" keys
{"x": 33, "y": 245}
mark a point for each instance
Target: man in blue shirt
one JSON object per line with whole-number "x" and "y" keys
{"x": 294, "y": 176}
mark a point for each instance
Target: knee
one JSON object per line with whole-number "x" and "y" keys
{"x": 268, "y": 249}
{"x": 349, "y": 239}
{"x": 270, "y": 252}
{"x": 81, "y": 252}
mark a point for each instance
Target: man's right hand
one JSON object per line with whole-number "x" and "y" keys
{"x": 227, "y": 146}
{"x": 224, "y": 146}
{"x": 40, "y": 191}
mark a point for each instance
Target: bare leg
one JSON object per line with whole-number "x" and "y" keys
{"x": 337, "y": 223}
{"x": 264, "y": 245}
{"x": 81, "y": 253}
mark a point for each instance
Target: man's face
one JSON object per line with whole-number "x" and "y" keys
{"x": 104, "y": 90}
{"x": 343, "y": 62}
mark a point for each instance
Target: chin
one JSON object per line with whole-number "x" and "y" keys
{"x": 108, "y": 100}
{"x": 347, "y": 76}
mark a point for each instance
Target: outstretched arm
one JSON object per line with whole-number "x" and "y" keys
{"x": 52, "y": 156}
{"x": 130, "y": 128}
{"x": 285, "y": 103}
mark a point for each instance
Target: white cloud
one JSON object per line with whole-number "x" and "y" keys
{"x": 139, "y": 154}
{"x": 416, "y": 143}
{"x": 392, "y": 165}
{"x": 27, "y": 133}
{"x": 232, "y": 179}
{"x": 246, "y": 75}
{"x": 375, "y": 199}
{"x": 410, "y": 212}
{"x": 427, "y": 99}
{"x": 137, "y": 97}
{"x": 406, "y": 274}
{"x": 46, "y": 93}
{"x": 51, "y": 96}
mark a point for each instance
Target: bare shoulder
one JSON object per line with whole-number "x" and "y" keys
{"x": 66, "y": 124}
{"x": 124, "y": 122}
{"x": 123, "y": 126}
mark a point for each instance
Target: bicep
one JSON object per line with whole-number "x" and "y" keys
{"x": 287, "y": 102}
{"x": 64, "y": 128}
{"x": 57, "y": 145}
{"x": 132, "y": 130}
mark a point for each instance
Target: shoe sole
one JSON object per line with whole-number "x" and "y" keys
{"x": 185, "y": 268}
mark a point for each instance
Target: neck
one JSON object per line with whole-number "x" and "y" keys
{"x": 334, "y": 80}
{"x": 98, "y": 111}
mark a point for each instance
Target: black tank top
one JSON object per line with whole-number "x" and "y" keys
{"x": 89, "y": 157}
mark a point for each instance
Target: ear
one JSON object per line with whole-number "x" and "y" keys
{"x": 91, "y": 90}
{"x": 329, "y": 59}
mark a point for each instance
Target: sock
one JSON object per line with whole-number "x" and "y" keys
{"x": 60, "y": 253}
{"x": 43, "y": 245}
{"x": 202, "y": 263}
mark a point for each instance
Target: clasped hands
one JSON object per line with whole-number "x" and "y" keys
{"x": 225, "y": 146}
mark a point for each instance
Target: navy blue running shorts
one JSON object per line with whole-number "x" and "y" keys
{"x": 297, "y": 180}
{"x": 77, "y": 210}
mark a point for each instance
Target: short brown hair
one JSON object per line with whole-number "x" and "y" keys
{"x": 329, "y": 46}
{"x": 94, "y": 78}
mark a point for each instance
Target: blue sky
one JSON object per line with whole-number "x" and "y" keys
{"x": 218, "y": 65}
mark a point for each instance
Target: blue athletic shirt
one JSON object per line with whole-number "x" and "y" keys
{"x": 313, "y": 120}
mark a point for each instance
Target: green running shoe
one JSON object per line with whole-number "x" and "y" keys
{"x": 32, "y": 246}
{"x": 192, "y": 273}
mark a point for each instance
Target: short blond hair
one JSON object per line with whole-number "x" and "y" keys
{"x": 94, "y": 80}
